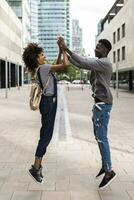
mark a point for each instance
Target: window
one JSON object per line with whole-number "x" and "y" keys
{"x": 118, "y": 34}
{"x": 118, "y": 55}
{"x": 123, "y": 30}
{"x": 114, "y": 57}
{"x": 114, "y": 37}
{"x": 123, "y": 53}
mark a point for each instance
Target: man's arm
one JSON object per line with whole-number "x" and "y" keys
{"x": 73, "y": 62}
{"x": 82, "y": 62}
{"x": 89, "y": 63}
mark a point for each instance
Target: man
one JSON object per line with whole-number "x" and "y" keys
{"x": 101, "y": 71}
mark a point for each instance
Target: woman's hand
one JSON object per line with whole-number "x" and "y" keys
{"x": 62, "y": 44}
{"x": 60, "y": 47}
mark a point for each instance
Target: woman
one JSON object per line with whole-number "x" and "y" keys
{"x": 35, "y": 61}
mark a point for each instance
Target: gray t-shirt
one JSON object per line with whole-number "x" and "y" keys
{"x": 44, "y": 73}
{"x": 101, "y": 72}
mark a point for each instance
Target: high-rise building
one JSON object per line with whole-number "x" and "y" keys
{"x": 76, "y": 37}
{"x": 11, "y": 71}
{"x": 22, "y": 10}
{"x": 34, "y": 5}
{"x": 54, "y": 21}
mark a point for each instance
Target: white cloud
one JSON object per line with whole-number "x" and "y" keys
{"x": 89, "y": 12}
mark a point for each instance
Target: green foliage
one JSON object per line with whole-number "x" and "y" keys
{"x": 70, "y": 73}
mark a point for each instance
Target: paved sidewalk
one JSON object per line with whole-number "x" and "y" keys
{"x": 72, "y": 159}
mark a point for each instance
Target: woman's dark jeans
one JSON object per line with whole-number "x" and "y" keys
{"x": 48, "y": 107}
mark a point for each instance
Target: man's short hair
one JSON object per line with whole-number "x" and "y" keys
{"x": 106, "y": 43}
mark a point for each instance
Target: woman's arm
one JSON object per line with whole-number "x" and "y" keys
{"x": 59, "y": 61}
{"x": 63, "y": 65}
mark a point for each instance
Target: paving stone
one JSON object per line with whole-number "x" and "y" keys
{"x": 4, "y": 173}
{"x": 47, "y": 185}
{"x": 131, "y": 194}
{"x": 29, "y": 195}
{"x": 122, "y": 185}
{"x": 56, "y": 196}
{"x": 85, "y": 195}
{"x": 114, "y": 195}
{"x": 81, "y": 183}
{"x": 14, "y": 186}
{"x": 5, "y": 195}
{"x": 62, "y": 183}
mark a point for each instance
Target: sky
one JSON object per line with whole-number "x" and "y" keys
{"x": 89, "y": 13}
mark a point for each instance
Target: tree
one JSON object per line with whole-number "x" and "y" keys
{"x": 71, "y": 73}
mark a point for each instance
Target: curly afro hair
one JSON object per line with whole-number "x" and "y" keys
{"x": 30, "y": 55}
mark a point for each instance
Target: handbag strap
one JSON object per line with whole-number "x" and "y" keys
{"x": 39, "y": 78}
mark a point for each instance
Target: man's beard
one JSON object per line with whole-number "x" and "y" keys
{"x": 98, "y": 54}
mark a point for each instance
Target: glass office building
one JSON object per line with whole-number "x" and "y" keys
{"x": 34, "y": 4}
{"x": 54, "y": 20}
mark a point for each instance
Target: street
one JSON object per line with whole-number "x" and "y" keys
{"x": 72, "y": 160}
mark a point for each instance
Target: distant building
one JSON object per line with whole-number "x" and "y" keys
{"x": 10, "y": 47}
{"x": 99, "y": 28}
{"x": 54, "y": 21}
{"x": 76, "y": 37}
{"x": 118, "y": 27}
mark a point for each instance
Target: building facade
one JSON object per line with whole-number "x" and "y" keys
{"x": 22, "y": 10}
{"x": 118, "y": 27}
{"x": 76, "y": 37}
{"x": 10, "y": 47}
{"x": 54, "y": 21}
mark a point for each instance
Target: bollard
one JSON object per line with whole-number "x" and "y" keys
{"x": 6, "y": 79}
{"x": 18, "y": 76}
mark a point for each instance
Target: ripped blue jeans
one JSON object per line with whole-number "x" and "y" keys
{"x": 101, "y": 115}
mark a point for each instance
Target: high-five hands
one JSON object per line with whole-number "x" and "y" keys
{"x": 61, "y": 44}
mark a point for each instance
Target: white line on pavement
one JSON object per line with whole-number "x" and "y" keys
{"x": 67, "y": 122}
{"x": 62, "y": 106}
